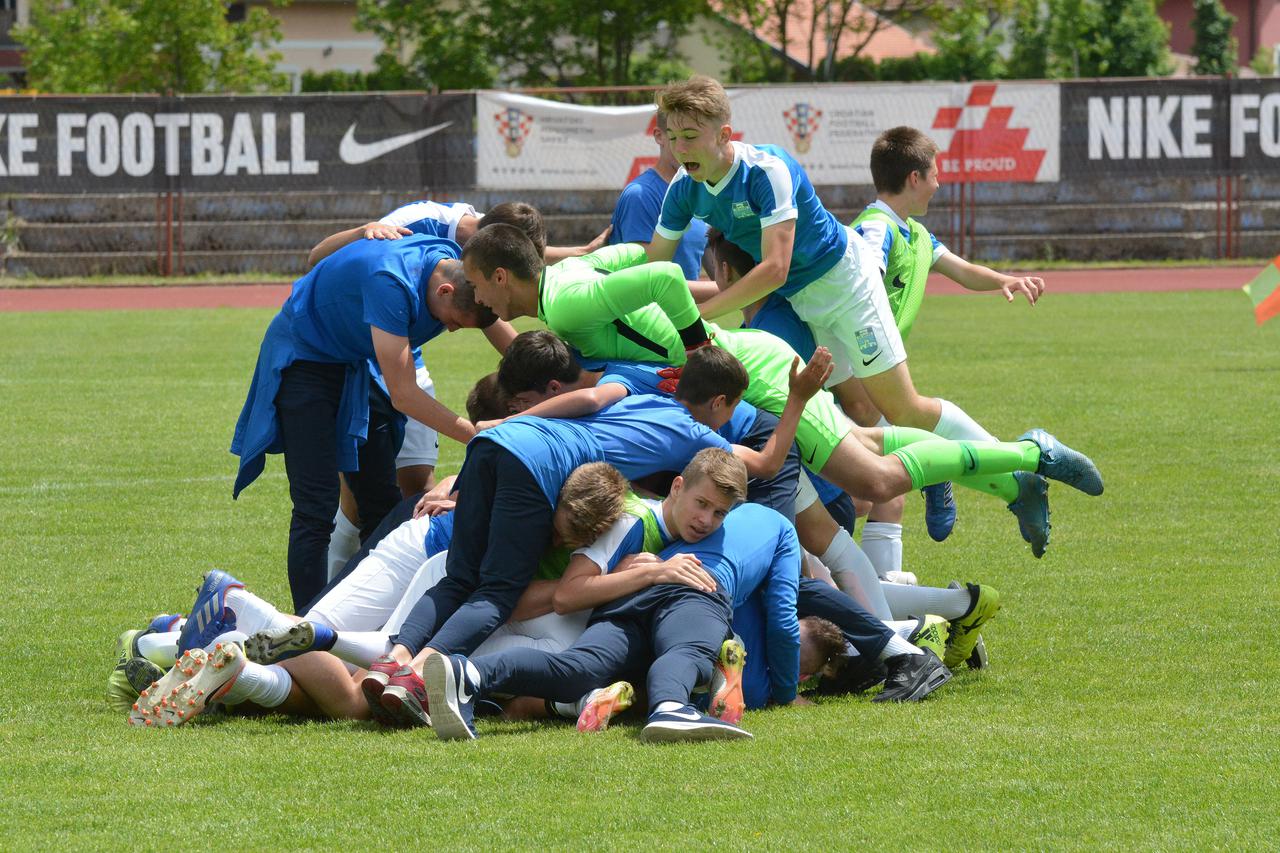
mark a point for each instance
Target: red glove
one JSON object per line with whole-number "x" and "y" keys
{"x": 670, "y": 379}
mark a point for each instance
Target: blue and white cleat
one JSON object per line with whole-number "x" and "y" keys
{"x": 1061, "y": 463}
{"x": 164, "y": 623}
{"x": 939, "y": 510}
{"x": 452, "y": 684}
{"x": 687, "y": 724}
{"x": 279, "y": 644}
{"x": 1032, "y": 510}
{"x": 209, "y": 615}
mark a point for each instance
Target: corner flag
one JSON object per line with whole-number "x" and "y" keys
{"x": 1265, "y": 292}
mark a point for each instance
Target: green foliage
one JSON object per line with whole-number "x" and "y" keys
{"x": 906, "y": 69}
{"x": 1215, "y": 46}
{"x": 968, "y": 37}
{"x": 1122, "y": 38}
{"x": 388, "y": 76}
{"x": 1102, "y": 724}
{"x": 187, "y": 46}
{"x": 1264, "y": 61}
{"x": 1029, "y": 42}
{"x": 429, "y": 45}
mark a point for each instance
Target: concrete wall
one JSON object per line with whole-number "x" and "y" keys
{"x": 271, "y": 233}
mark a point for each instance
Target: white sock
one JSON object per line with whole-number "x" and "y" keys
{"x": 664, "y": 707}
{"x": 902, "y": 628}
{"x": 898, "y": 646}
{"x": 266, "y": 686}
{"x": 567, "y": 710}
{"x": 343, "y": 543}
{"x": 908, "y": 578}
{"x": 954, "y": 424}
{"x": 160, "y": 649}
{"x": 923, "y": 600}
{"x": 361, "y": 648}
{"x": 882, "y": 543}
{"x": 854, "y": 574}
{"x": 817, "y": 569}
{"x": 254, "y": 614}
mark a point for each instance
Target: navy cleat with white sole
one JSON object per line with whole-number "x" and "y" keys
{"x": 452, "y": 684}
{"x": 1032, "y": 510}
{"x": 687, "y": 724}
{"x": 209, "y": 615}
{"x": 939, "y": 510}
{"x": 279, "y": 644}
{"x": 1061, "y": 463}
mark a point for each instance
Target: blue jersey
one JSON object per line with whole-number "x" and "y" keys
{"x": 549, "y": 447}
{"x": 641, "y": 377}
{"x": 756, "y": 551}
{"x": 763, "y": 187}
{"x": 636, "y": 214}
{"x": 430, "y": 217}
{"x": 439, "y": 534}
{"x": 644, "y": 434}
{"x": 626, "y": 537}
{"x": 778, "y": 318}
{"x": 327, "y": 319}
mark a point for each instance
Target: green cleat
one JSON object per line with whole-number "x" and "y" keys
{"x": 930, "y": 633}
{"x": 977, "y": 660}
{"x": 965, "y": 630}
{"x": 727, "y": 702}
{"x": 120, "y": 693}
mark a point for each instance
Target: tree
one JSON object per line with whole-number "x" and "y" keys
{"x": 969, "y": 36}
{"x": 427, "y": 45}
{"x": 1214, "y": 47}
{"x": 102, "y": 46}
{"x": 807, "y": 39}
{"x": 1029, "y": 42}
{"x": 1117, "y": 38}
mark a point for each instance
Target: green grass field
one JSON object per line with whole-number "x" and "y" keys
{"x": 1132, "y": 701}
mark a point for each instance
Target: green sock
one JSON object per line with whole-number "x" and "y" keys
{"x": 929, "y": 462}
{"x": 1002, "y": 485}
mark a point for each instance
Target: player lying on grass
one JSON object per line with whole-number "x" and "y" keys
{"x": 672, "y": 631}
{"x": 540, "y": 367}
{"x": 645, "y": 312}
{"x": 378, "y": 593}
{"x": 313, "y": 396}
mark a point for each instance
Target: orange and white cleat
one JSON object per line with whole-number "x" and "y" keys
{"x": 727, "y": 703}
{"x": 211, "y": 683}
{"x": 603, "y": 704}
{"x": 150, "y": 699}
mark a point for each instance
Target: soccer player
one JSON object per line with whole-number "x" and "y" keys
{"x": 762, "y": 200}
{"x": 646, "y": 313}
{"x": 904, "y": 169}
{"x": 638, "y": 207}
{"x": 313, "y": 397}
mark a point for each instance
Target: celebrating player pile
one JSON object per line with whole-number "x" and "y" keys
{"x": 651, "y": 507}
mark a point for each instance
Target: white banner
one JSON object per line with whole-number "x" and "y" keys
{"x": 986, "y": 132}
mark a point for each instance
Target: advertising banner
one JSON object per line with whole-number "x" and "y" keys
{"x": 987, "y": 132}
{"x": 210, "y": 144}
{"x": 1171, "y": 127}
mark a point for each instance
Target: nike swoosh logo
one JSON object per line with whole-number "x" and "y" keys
{"x": 692, "y": 716}
{"x": 354, "y": 153}
{"x": 463, "y": 696}
{"x": 812, "y": 453}
{"x": 898, "y": 282}
{"x": 867, "y": 361}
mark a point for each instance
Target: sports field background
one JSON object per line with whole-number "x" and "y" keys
{"x": 1132, "y": 700}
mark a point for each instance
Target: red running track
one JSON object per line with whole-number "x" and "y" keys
{"x": 123, "y": 298}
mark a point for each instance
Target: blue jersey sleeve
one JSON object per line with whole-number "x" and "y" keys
{"x": 635, "y": 214}
{"x": 676, "y": 210}
{"x": 624, "y": 537}
{"x": 773, "y": 193}
{"x": 782, "y": 626}
{"x": 388, "y": 304}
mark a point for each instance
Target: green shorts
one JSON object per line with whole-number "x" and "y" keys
{"x": 767, "y": 359}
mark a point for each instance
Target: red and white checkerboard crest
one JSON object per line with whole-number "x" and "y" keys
{"x": 803, "y": 121}
{"x": 978, "y": 144}
{"x": 514, "y": 126}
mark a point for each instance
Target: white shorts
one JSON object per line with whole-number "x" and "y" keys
{"x": 806, "y": 495}
{"x": 421, "y": 443}
{"x": 366, "y": 598}
{"x": 549, "y": 633}
{"x": 848, "y": 312}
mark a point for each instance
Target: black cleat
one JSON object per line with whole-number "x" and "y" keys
{"x": 913, "y": 677}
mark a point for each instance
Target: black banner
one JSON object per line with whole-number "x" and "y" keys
{"x": 409, "y": 142}
{"x": 1171, "y": 127}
